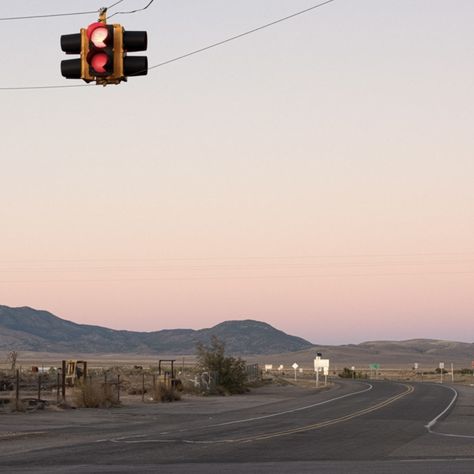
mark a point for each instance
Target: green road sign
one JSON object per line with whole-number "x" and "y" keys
{"x": 374, "y": 366}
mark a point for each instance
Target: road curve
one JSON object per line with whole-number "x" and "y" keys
{"x": 359, "y": 424}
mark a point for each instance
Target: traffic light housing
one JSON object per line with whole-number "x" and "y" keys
{"x": 72, "y": 44}
{"x": 99, "y": 49}
{"x": 103, "y": 53}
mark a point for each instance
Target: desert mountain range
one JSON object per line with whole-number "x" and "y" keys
{"x": 28, "y": 329}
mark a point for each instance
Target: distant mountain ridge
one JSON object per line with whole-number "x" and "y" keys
{"x": 29, "y": 329}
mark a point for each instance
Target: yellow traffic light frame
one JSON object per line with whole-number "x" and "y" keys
{"x": 118, "y": 75}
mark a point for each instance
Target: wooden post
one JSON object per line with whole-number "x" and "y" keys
{"x": 39, "y": 387}
{"x": 118, "y": 388}
{"x": 143, "y": 387}
{"x": 63, "y": 380}
{"x": 57, "y": 387}
{"x": 17, "y": 390}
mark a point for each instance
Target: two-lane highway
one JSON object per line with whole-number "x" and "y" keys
{"x": 367, "y": 424}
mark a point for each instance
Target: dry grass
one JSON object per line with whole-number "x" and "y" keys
{"x": 94, "y": 395}
{"x": 163, "y": 393}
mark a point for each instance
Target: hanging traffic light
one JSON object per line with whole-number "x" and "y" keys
{"x": 100, "y": 50}
{"x": 104, "y": 53}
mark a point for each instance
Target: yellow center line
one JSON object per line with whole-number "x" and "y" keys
{"x": 315, "y": 426}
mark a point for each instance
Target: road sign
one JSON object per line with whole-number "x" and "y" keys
{"x": 374, "y": 366}
{"x": 415, "y": 365}
{"x": 441, "y": 365}
{"x": 295, "y": 366}
{"x": 320, "y": 364}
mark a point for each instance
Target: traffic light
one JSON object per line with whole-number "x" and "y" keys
{"x": 103, "y": 53}
{"x": 99, "y": 50}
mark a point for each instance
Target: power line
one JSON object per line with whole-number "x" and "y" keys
{"x": 49, "y": 15}
{"x": 467, "y": 254}
{"x": 27, "y": 88}
{"x": 55, "y": 15}
{"x": 240, "y": 35}
{"x": 191, "y": 53}
{"x": 132, "y": 11}
{"x": 243, "y": 277}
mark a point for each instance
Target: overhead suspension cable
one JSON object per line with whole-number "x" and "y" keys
{"x": 55, "y": 15}
{"x": 191, "y": 53}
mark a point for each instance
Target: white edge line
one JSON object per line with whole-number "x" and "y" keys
{"x": 294, "y": 410}
{"x": 435, "y": 420}
{"x": 127, "y": 440}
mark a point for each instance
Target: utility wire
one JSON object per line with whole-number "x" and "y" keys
{"x": 132, "y": 11}
{"x": 114, "y": 4}
{"x": 54, "y": 15}
{"x": 49, "y": 15}
{"x": 91, "y": 12}
{"x": 241, "y": 277}
{"x": 240, "y": 35}
{"x": 191, "y": 53}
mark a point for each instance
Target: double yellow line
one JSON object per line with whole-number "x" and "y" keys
{"x": 315, "y": 426}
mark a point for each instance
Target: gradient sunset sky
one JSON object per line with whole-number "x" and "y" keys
{"x": 317, "y": 175}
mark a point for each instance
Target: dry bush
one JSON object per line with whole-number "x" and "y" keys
{"x": 164, "y": 393}
{"x": 94, "y": 395}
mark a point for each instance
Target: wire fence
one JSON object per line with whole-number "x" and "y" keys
{"x": 23, "y": 390}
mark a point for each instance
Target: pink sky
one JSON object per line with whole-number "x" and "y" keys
{"x": 317, "y": 176}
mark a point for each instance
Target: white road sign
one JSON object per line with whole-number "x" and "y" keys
{"x": 295, "y": 366}
{"x": 321, "y": 364}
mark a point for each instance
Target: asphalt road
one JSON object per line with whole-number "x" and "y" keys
{"x": 373, "y": 427}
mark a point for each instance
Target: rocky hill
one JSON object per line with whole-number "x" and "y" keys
{"x": 28, "y": 329}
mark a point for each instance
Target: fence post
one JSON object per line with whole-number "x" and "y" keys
{"x": 143, "y": 387}
{"x": 57, "y": 387}
{"x": 39, "y": 387}
{"x": 118, "y": 388}
{"x": 17, "y": 390}
{"x": 105, "y": 384}
{"x": 63, "y": 381}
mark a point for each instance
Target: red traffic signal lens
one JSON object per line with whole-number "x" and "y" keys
{"x": 98, "y": 35}
{"x": 99, "y": 62}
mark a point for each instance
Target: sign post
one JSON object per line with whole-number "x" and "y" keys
{"x": 321, "y": 365}
{"x": 441, "y": 370}
{"x": 374, "y": 367}
{"x": 295, "y": 367}
{"x": 353, "y": 370}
